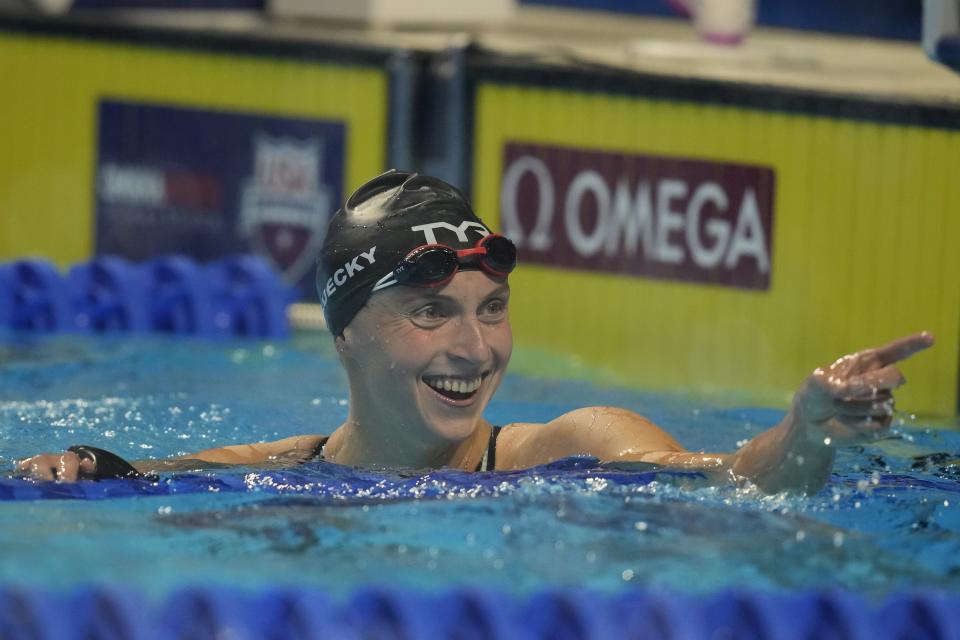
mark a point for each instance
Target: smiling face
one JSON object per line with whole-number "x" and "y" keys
{"x": 424, "y": 362}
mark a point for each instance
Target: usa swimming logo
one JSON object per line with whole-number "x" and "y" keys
{"x": 284, "y": 205}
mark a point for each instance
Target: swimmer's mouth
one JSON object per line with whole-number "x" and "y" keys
{"x": 455, "y": 388}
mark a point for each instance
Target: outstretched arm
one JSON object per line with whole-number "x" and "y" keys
{"x": 850, "y": 401}
{"x": 69, "y": 466}
{"x": 293, "y": 449}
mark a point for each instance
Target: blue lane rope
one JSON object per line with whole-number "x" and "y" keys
{"x": 234, "y": 296}
{"x": 337, "y": 482}
{"x": 472, "y": 613}
{"x": 327, "y": 480}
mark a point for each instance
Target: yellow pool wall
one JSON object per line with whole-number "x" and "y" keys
{"x": 48, "y": 120}
{"x": 865, "y": 247}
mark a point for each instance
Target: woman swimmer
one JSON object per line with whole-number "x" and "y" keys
{"x": 415, "y": 292}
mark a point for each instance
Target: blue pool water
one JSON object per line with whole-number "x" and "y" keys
{"x": 887, "y": 521}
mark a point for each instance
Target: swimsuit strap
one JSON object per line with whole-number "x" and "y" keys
{"x": 489, "y": 460}
{"x": 318, "y": 452}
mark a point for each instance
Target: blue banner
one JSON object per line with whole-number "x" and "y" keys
{"x": 211, "y": 183}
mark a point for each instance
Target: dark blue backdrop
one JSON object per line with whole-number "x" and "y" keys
{"x": 173, "y": 179}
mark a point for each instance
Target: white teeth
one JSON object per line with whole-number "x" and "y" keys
{"x": 455, "y": 384}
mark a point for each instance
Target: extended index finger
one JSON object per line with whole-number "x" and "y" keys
{"x": 901, "y": 349}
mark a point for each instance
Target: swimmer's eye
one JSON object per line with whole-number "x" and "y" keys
{"x": 494, "y": 310}
{"x": 429, "y": 315}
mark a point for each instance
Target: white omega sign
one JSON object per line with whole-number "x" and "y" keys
{"x": 539, "y": 238}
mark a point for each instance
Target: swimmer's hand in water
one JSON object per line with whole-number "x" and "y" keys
{"x": 64, "y": 467}
{"x": 79, "y": 462}
{"x": 851, "y": 401}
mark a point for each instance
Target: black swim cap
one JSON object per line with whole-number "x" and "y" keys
{"x": 380, "y": 224}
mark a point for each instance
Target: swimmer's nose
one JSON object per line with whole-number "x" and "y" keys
{"x": 471, "y": 342}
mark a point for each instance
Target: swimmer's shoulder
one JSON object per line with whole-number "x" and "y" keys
{"x": 310, "y": 446}
{"x": 597, "y": 431}
{"x": 513, "y": 444}
{"x": 303, "y": 442}
{"x": 299, "y": 448}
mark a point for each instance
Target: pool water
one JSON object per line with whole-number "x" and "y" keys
{"x": 888, "y": 520}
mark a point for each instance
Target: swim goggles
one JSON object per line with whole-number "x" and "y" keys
{"x": 434, "y": 265}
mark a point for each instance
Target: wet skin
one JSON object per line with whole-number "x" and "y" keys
{"x": 405, "y": 338}
{"x": 408, "y": 341}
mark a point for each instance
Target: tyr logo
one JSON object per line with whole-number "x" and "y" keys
{"x": 461, "y": 230}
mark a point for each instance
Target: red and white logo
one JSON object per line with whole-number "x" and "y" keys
{"x": 146, "y": 192}
{"x": 651, "y": 216}
{"x": 284, "y": 205}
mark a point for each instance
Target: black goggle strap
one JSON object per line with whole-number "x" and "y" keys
{"x": 386, "y": 281}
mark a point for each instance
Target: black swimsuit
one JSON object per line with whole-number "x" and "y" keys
{"x": 487, "y": 463}
{"x": 489, "y": 460}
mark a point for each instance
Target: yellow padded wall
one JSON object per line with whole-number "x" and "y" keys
{"x": 864, "y": 248}
{"x": 48, "y": 119}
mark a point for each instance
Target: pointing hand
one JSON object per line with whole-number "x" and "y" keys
{"x": 851, "y": 401}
